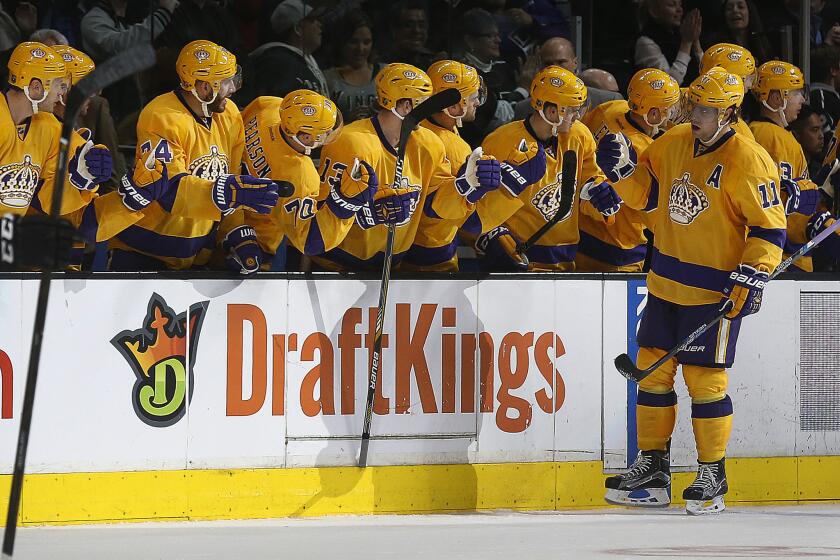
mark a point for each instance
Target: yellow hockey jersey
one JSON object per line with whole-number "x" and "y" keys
{"x": 180, "y": 229}
{"x": 538, "y": 203}
{"x": 436, "y": 242}
{"x": 620, "y": 246}
{"x": 711, "y": 208}
{"x": 425, "y": 169}
{"x": 741, "y": 127}
{"x": 786, "y": 151}
{"x": 601, "y": 119}
{"x": 309, "y": 224}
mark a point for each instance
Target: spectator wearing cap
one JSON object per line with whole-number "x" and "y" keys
{"x": 409, "y": 34}
{"x": 808, "y": 131}
{"x": 825, "y": 74}
{"x": 283, "y": 66}
{"x": 480, "y": 46}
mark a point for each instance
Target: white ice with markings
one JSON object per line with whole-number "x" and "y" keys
{"x": 809, "y": 531}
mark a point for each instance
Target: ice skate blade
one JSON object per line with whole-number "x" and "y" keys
{"x": 696, "y": 507}
{"x": 646, "y": 498}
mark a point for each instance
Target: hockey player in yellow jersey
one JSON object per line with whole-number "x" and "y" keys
{"x": 780, "y": 88}
{"x": 653, "y": 100}
{"x": 279, "y": 135}
{"x": 601, "y": 119}
{"x": 735, "y": 59}
{"x": 78, "y": 66}
{"x": 198, "y": 135}
{"x": 426, "y": 171}
{"x": 719, "y": 224}
{"x": 511, "y": 215}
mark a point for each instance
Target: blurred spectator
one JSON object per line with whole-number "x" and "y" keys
{"x": 824, "y": 22}
{"x": 286, "y": 65}
{"x": 351, "y": 82}
{"x": 105, "y": 31}
{"x": 250, "y": 22}
{"x": 595, "y": 78}
{"x": 65, "y": 17}
{"x": 480, "y": 44}
{"x": 808, "y": 131}
{"x": 742, "y": 26}
{"x": 100, "y": 122}
{"x": 409, "y": 26}
{"x": 200, "y": 19}
{"x": 14, "y": 27}
{"x": 825, "y": 73}
{"x": 49, "y": 37}
{"x": 560, "y": 52}
{"x": 670, "y": 42}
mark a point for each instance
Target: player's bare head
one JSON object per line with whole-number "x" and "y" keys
{"x": 712, "y": 103}
{"x": 601, "y": 79}
{"x": 209, "y": 73}
{"x": 481, "y": 34}
{"x": 781, "y": 90}
{"x": 666, "y": 12}
{"x": 559, "y": 51}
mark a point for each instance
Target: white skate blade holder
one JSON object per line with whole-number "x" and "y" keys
{"x": 700, "y": 507}
{"x": 645, "y": 498}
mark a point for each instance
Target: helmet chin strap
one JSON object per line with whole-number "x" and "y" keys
{"x": 205, "y": 104}
{"x": 555, "y": 127}
{"x": 780, "y": 111}
{"x": 654, "y": 127}
{"x": 458, "y": 120}
{"x": 716, "y": 135}
{"x": 397, "y": 113}
{"x": 34, "y": 102}
{"x": 306, "y": 149}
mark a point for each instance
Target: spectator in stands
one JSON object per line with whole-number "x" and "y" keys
{"x": 808, "y": 131}
{"x": 286, "y": 65}
{"x": 824, "y": 22}
{"x": 743, "y": 26}
{"x": 558, "y": 51}
{"x": 49, "y": 37}
{"x": 409, "y": 34}
{"x": 14, "y": 28}
{"x": 825, "y": 73}
{"x": 670, "y": 42}
{"x": 351, "y": 82}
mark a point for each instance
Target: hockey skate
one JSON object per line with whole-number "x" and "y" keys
{"x": 646, "y": 484}
{"x": 709, "y": 486}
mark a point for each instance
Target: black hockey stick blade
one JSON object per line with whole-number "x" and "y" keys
{"x": 435, "y": 104}
{"x": 564, "y": 207}
{"x": 112, "y": 70}
{"x": 628, "y": 369}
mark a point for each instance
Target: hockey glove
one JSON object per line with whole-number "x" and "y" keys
{"x": 799, "y": 200}
{"x": 497, "y": 247}
{"x": 253, "y": 194}
{"x": 354, "y": 191}
{"x": 816, "y": 225}
{"x": 524, "y": 168}
{"x": 478, "y": 176}
{"x": 35, "y": 241}
{"x": 243, "y": 252}
{"x": 144, "y": 185}
{"x": 394, "y": 207}
{"x": 603, "y": 197}
{"x": 90, "y": 165}
{"x": 616, "y": 157}
{"x": 828, "y": 178}
{"x": 743, "y": 291}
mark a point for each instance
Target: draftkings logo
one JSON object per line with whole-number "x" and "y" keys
{"x": 158, "y": 354}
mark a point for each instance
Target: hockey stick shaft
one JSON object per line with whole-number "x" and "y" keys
{"x": 111, "y": 71}
{"x": 567, "y": 193}
{"x": 434, "y": 104}
{"x": 629, "y": 370}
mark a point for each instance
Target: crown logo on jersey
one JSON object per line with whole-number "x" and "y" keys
{"x": 734, "y": 56}
{"x": 547, "y": 200}
{"x": 18, "y": 182}
{"x": 201, "y": 55}
{"x": 158, "y": 355}
{"x": 449, "y": 78}
{"x": 210, "y": 166}
{"x": 686, "y": 200}
{"x": 38, "y": 52}
{"x": 308, "y": 110}
{"x": 557, "y": 82}
{"x": 410, "y": 74}
{"x": 657, "y": 84}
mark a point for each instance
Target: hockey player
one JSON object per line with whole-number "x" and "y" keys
{"x": 653, "y": 99}
{"x": 279, "y": 137}
{"x": 78, "y": 66}
{"x": 780, "y": 89}
{"x": 735, "y": 59}
{"x": 426, "y": 170}
{"x": 514, "y": 213}
{"x": 198, "y": 135}
{"x": 719, "y": 229}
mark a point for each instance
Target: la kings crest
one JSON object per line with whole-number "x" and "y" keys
{"x": 547, "y": 199}
{"x": 210, "y": 166}
{"x": 686, "y": 200}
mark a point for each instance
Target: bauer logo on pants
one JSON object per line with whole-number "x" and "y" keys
{"x": 158, "y": 354}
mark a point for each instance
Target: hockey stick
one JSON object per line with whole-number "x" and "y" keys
{"x": 567, "y": 198}
{"x": 109, "y": 72}
{"x": 628, "y": 369}
{"x": 434, "y": 104}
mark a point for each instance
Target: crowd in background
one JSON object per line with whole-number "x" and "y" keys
{"x": 336, "y": 47}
